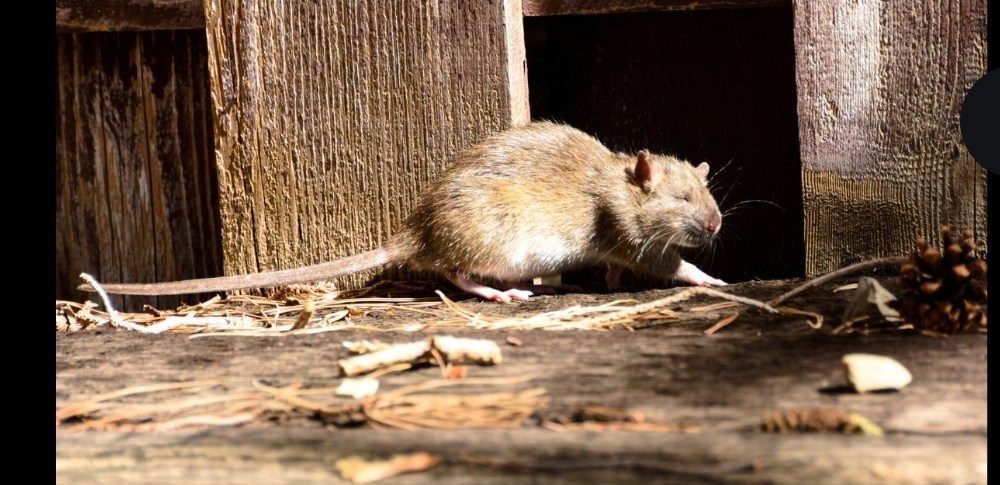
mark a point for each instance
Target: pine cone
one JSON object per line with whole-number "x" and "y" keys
{"x": 945, "y": 291}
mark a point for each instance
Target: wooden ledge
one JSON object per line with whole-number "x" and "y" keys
{"x": 128, "y": 15}
{"x": 538, "y": 8}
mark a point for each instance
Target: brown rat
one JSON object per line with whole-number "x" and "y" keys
{"x": 531, "y": 201}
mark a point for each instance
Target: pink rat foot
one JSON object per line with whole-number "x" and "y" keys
{"x": 485, "y": 292}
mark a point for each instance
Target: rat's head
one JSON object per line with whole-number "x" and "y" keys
{"x": 674, "y": 201}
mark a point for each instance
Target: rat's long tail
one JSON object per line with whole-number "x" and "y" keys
{"x": 322, "y": 271}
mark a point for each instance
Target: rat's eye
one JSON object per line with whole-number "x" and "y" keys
{"x": 686, "y": 196}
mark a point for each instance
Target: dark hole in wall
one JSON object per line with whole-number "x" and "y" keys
{"x": 715, "y": 86}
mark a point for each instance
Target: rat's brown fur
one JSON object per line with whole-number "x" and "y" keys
{"x": 531, "y": 201}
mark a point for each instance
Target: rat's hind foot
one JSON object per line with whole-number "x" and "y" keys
{"x": 533, "y": 289}
{"x": 485, "y": 292}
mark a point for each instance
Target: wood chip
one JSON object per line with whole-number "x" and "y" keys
{"x": 441, "y": 349}
{"x": 870, "y": 372}
{"x": 360, "y": 470}
{"x": 387, "y": 357}
{"x": 476, "y": 351}
{"x": 357, "y": 388}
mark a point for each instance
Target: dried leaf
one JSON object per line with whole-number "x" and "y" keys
{"x": 871, "y": 299}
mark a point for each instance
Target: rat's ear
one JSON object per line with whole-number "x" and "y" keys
{"x": 702, "y": 170}
{"x": 648, "y": 172}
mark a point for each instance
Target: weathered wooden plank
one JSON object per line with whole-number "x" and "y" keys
{"x": 134, "y": 176}
{"x": 179, "y": 134}
{"x": 880, "y": 88}
{"x": 330, "y": 118}
{"x": 76, "y": 232}
{"x": 115, "y": 15}
{"x": 533, "y": 8}
{"x": 936, "y": 428}
{"x": 520, "y": 457}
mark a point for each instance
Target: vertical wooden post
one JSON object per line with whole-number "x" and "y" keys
{"x": 135, "y": 192}
{"x": 880, "y": 88}
{"x": 331, "y": 117}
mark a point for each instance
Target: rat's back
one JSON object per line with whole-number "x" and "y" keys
{"x": 518, "y": 204}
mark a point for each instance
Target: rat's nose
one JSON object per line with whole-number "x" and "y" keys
{"x": 712, "y": 226}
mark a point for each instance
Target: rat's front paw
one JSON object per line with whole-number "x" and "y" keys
{"x": 711, "y": 282}
{"x": 690, "y": 273}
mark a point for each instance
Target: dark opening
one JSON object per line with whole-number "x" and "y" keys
{"x": 710, "y": 85}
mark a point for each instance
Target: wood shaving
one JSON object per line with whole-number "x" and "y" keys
{"x": 360, "y": 470}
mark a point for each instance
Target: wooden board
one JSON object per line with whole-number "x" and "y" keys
{"x": 135, "y": 185}
{"x": 331, "y": 117}
{"x": 936, "y": 428}
{"x": 130, "y": 15}
{"x": 590, "y": 7}
{"x": 880, "y": 88}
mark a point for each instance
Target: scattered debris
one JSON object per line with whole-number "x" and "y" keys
{"x": 360, "y": 470}
{"x": 871, "y": 300}
{"x": 288, "y": 310}
{"x": 232, "y": 404}
{"x": 396, "y": 354}
{"x": 308, "y": 308}
{"x": 456, "y": 411}
{"x": 721, "y": 324}
{"x": 839, "y": 273}
{"x": 600, "y": 317}
{"x": 870, "y": 372}
{"x": 516, "y": 342}
{"x": 604, "y": 418}
{"x": 794, "y": 311}
{"x": 451, "y": 350}
{"x": 818, "y": 419}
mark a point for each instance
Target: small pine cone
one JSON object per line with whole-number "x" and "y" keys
{"x": 953, "y": 253}
{"x": 932, "y": 259}
{"x": 944, "y": 290}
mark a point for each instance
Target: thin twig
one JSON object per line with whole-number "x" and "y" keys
{"x": 112, "y": 313}
{"x": 846, "y": 270}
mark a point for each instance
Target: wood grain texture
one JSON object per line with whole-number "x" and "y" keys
{"x": 116, "y": 15}
{"x": 534, "y": 8}
{"x": 936, "y": 428}
{"x": 880, "y": 88}
{"x": 135, "y": 184}
{"x": 331, "y": 117}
